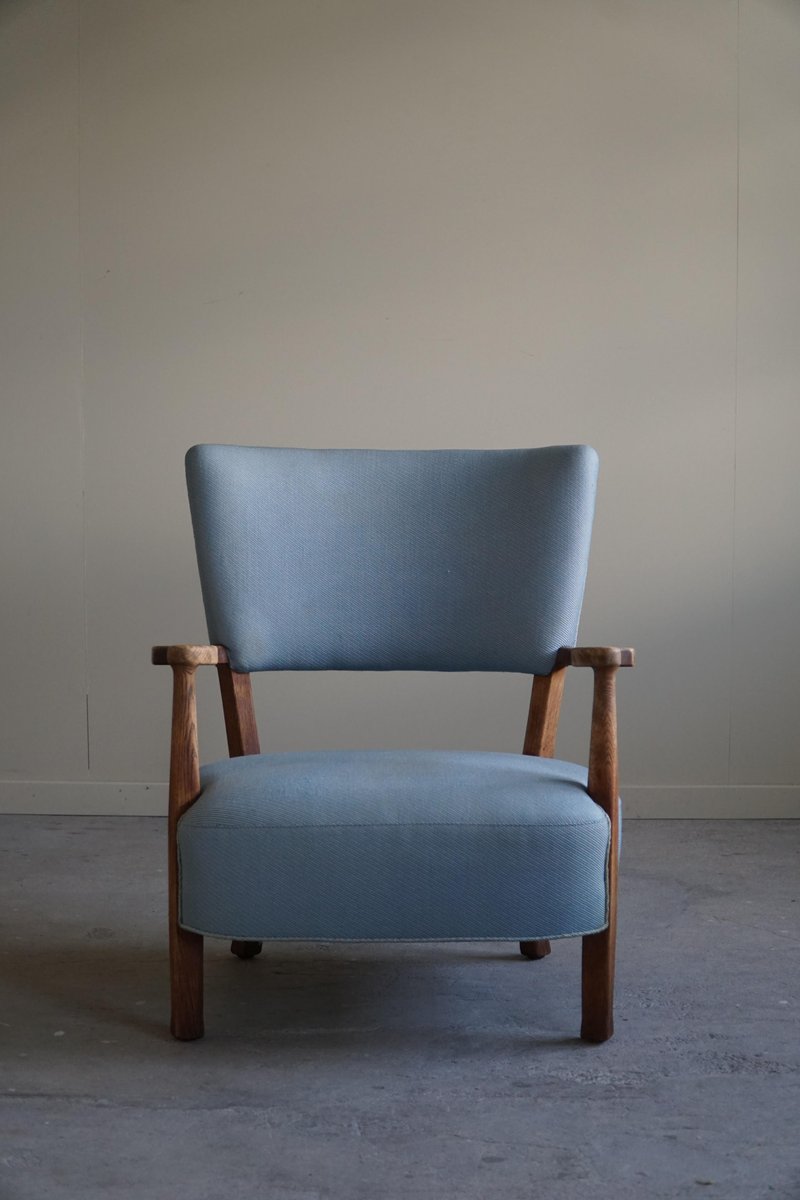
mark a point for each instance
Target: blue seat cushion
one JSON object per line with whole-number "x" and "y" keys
{"x": 393, "y": 845}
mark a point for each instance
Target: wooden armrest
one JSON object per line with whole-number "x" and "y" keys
{"x": 188, "y": 656}
{"x": 595, "y": 656}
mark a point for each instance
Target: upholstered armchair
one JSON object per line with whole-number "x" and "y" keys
{"x": 368, "y": 560}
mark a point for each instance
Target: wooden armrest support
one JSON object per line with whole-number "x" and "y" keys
{"x": 595, "y": 656}
{"x": 604, "y": 661}
{"x": 188, "y": 656}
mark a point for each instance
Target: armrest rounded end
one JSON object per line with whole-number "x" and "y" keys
{"x": 597, "y": 656}
{"x": 188, "y": 656}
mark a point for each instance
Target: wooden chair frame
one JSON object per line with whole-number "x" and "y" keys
{"x": 186, "y": 948}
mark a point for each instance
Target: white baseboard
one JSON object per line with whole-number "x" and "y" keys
{"x": 721, "y": 802}
{"x": 60, "y": 798}
{"x": 713, "y": 802}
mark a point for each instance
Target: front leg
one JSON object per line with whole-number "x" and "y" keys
{"x": 185, "y": 947}
{"x": 599, "y": 949}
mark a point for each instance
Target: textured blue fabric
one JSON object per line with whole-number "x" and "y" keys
{"x": 412, "y": 845}
{"x": 389, "y": 559}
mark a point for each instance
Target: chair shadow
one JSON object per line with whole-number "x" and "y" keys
{"x": 299, "y": 995}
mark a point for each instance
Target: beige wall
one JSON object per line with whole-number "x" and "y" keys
{"x": 403, "y": 223}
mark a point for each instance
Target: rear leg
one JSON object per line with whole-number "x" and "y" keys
{"x": 537, "y": 949}
{"x": 245, "y": 949}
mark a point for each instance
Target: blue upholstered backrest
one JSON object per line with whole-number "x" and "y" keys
{"x": 444, "y": 560}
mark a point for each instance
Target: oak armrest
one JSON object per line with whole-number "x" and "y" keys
{"x": 595, "y": 656}
{"x": 188, "y": 656}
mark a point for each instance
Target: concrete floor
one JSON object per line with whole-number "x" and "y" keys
{"x": 381, "y": 1072}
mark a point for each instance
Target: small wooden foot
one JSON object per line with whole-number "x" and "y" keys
{"x": 245, "y": 949}
{"x": 186, "y": 984}
{"x": 537, "y": 949}
{"x": 597, "y": 989}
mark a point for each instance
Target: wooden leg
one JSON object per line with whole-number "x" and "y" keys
{"x": 186, "y": 983}
{"x": 597, "y": 1023}
{"x": 538, "y": 949}
{"x": 245, "y": 949}
{"x": 599, "y": 949}
{"x": 185, "y": 948}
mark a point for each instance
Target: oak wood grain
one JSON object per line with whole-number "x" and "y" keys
{"x": 543, "y": 714}
{"x": 599, "y": 949}
{"x": 185, "y": 947}
{"x": 595, "y": 656}
{"x": 188, "y": 656}
{"x": 237, "y": 707}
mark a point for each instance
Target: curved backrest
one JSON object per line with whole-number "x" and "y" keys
{"x": 438, "y": 560}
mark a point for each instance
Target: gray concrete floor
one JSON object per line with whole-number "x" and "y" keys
{"x": 380, "y": 1072}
